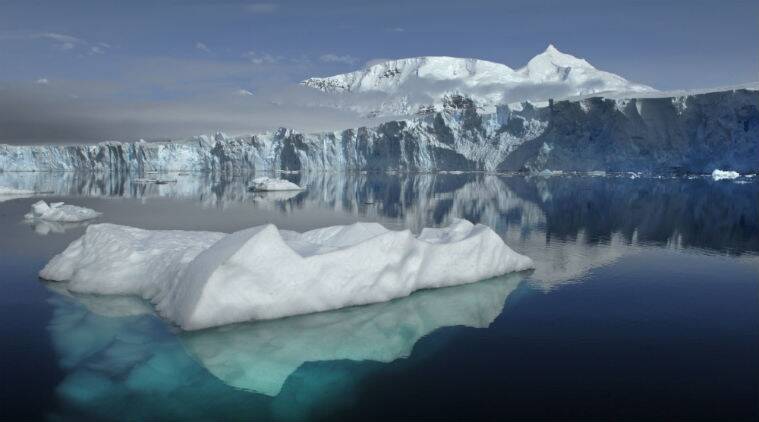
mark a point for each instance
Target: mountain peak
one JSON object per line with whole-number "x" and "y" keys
{"x": 414, "y": 83}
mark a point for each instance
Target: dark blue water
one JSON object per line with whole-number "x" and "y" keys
{"x": 643, "y": 306}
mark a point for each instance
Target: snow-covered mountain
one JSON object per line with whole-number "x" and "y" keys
{"x": 421, "y": 84}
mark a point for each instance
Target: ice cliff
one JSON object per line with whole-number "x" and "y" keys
{"x": 695, "y": 133}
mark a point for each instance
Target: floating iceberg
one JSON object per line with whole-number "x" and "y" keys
{"x": 724, "y": 175}
{"x": 204, "y": 279}
{"x": 268, "y": 184}
{"x": 58, "y": 211}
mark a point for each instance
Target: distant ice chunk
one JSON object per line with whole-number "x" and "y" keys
{"x": 58, "y": 211}
{"x": 724, "y": 175}
{"x": 550, "y": 173}
{"x": 202, "y": 279}
{"x": 263, "y": 184}
{"x": 6, "y": 193}
{"x": 155, "y": 181}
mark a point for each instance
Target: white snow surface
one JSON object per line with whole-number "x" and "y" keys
{"x": 413, "y": 84}
{"x": 264, "y": 184}
{"x": 60, "y": 212}
{"x": 724, "y": 174}
{"x": 205, "y": 279}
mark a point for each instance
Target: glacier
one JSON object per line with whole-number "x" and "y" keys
{"x": 685, "y": 133}
{"x": 201, "y": 279}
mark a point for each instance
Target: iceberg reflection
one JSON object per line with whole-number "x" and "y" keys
{"x": 261, "y": 356}
{"x": 114, "y": 348}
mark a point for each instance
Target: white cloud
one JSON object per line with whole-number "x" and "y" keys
{"x": 335, "y": 58}
{"x": 261, "y": 8}
{"x": 262, "y": 58}
{"x": 244, "y": 92}
{"x": 63, "y": 42}
{"x": 42, "y": 81}
{"x": 202, "y": 47}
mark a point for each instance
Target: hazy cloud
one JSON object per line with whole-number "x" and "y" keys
{"x": 53, "y": 115}
{"x": 63, "y": 42}
{"x": 202, "y": 47}
{"x": 261, "y": 8}
{"x": 372, "y": 62}
{"x": 42, "y": 81}
{"x": 335, "y": 58}
{"x": 261, "y": 58}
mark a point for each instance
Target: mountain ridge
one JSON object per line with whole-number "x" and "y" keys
{"x": 406, "y": 86}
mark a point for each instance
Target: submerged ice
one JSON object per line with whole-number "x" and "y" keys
{"x": 202, "y": 279}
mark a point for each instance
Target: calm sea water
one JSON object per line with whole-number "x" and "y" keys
{"x": 643, "y": 306}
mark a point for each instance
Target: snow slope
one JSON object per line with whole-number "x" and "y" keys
{"x": 420, "y": 84}
{"x": 200, "y": 280}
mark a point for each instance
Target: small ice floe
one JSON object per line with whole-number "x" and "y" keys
{"x": 550, "y": 173}
{"x": 6, "y": 193}
{"x": 267, "y": 184}
{"x": 154, "y": 181}
{"x": 597, "y": 173}
{"x": 205, "y": 279}
{"x": 633, "y": 174}
{"x": 58, "y": 211}
{"x": 724, "y": 175}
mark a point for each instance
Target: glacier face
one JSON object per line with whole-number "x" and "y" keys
{"x": 419, "y": 84}
{"x": 687, "y": 133}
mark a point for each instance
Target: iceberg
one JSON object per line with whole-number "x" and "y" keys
{"x": 203, "y": 279}
{"x": 724, "y": 175}
{"x": 60, "y": 212}
{"x": 264, "y": 184}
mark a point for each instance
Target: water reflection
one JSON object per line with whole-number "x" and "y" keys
{"x": 260, "y": 357}
{"x": 701, "y": 213}
{"x": 114, "y": 347}
{"x": 43, "y": 227}
{"x": 119, "y": 356}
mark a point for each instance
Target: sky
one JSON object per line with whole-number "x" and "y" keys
{"x": 83, "y": 71}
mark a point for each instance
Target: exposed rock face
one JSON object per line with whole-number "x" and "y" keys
{"x": 692, "y": 133}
